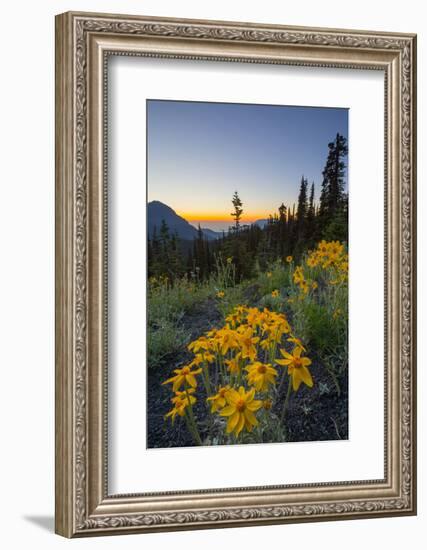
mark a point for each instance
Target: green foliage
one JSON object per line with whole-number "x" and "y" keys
{"x": 276, "y": 277}
{"x": 322, "y": 320}
{"x": 164, "y": 338}
{"x": 337, "y": 227}
{"x": 225, "y": 275}
{"x": 169, "y": 300}
{"x": 167, "y": 304}
{"x": 316, "y": 325}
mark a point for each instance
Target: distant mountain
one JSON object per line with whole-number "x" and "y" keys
{"x": 211, "y": 234}
{"x": 260, "y": 223}
{"x": 158, "y": 211}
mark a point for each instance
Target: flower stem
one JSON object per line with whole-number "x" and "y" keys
{"x": 285, "y": 406}
{"x": 190, "y": 426}
{"x": 195, "y": 431}
{"x": 206, "y": 379}
{"x": 282, "y": 381}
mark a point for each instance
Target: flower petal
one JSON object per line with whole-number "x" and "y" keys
{"x": 285, "y": 354}
{"x": 191, "y": 380}
{"x": 177, "y": 383}
{"x": 228, "y": 410}
{"x": 296, "y": 379}
{"x": 240, "y": 424}
{"x": 250, "y": 395}
{"x": 250, "y": 417}
{"x": 254, "y": 405}
{"x": 284, "y": 362}
{"x": 232, "y": 397}
{"x": 306, "y": 377}
{"x": 233, "y": 421}
{"x": 297, "y": 352}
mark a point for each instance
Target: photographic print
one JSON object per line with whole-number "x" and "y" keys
{"x": 247, "y": 273}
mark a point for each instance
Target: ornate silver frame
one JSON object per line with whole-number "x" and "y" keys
{"x": 83, "y": 505}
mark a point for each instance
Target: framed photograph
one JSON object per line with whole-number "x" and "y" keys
{"x": 235, "y": 274}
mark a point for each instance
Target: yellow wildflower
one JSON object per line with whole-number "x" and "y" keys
{"x": 218, "y": 400}
{"x": 336, "y": 313}
{"x": 289, "y": 259}
{"x": 267, "y": 404}
{"x": 229, "y": 260}
{"x": 181, "y": 401}
{"x": 312, "y": 261}
{"x": 275, "y": 294}
{"x": 240, "y": 410}
{"x": 208, "y": 357}
{"x": 297, "y": 367}
{"x": 233, "y": 319}
{"x": 269, "y": 274}
{"x": 198, "y": 359}
{"x": 201, "y": 343}
{"x": 283, "y": 326}
{"x": 220, "y": 294}
{"x": 227, "y": 339}
{"x": 304, "y": 286}
{"x": 261, "y": 375}
{"x": 183, "y": 376}
{"x": 298, "y": 275}
{"x": 297, "y": 342}
{"x": 233, "y": 364}
{"x": 203, "y": 357}
{"x": 247, "y": 343}
{"x": 253, "y": 316}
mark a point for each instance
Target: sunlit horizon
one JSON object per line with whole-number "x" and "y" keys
{"x": 220, "y": 222}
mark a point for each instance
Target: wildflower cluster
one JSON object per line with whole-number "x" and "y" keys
{"x": 329, "y": 262}
{"x": 159, "y": 281}
{"x": 243, "y": 367}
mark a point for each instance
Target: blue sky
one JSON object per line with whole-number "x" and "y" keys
{"x": 199, "y": 153}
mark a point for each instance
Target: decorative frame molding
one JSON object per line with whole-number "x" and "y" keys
{"x": 83, "y": 43}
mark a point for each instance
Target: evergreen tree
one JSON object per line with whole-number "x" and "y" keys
{"x": 282, "y": 232}
{"x": 311, "y": 212}
{"x": 332, "y": 194}
{"x": 238, "y": 210}
{"x": 302, "y": 209}
{"x": 311, "y": 217}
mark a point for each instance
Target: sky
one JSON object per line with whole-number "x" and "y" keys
{"x": 199, "y": 154}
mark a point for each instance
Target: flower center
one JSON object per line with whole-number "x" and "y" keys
{"x": 222, "y": 392}
{"x": 262, "y": 369}
{"x": 185, "y": 371}
{"x": 297, "y": 362}
{"x": 240, "y": 405}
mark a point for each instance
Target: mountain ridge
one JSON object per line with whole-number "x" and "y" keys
{"x": 158, "y": 211}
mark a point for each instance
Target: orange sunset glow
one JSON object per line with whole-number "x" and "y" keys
{"x": 220, "y": 217}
